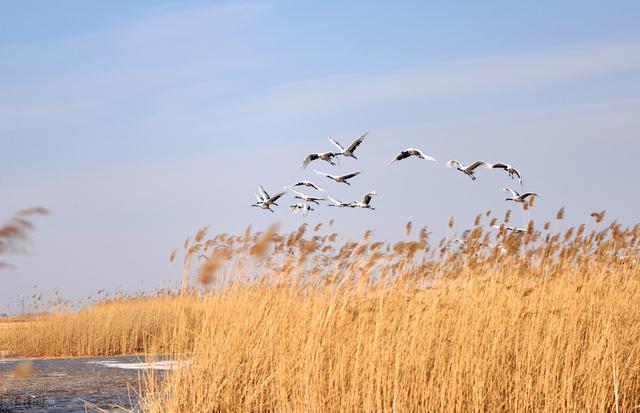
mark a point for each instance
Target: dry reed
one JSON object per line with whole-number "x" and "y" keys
{"x": 14, "y": 234}
{"x": 510, "y": 321}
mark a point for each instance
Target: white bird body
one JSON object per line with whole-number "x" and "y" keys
{"x": 323, "y": 156}
{"x": 306, "y": 198}
{"x": 517, "y": 197}
{"x": 340, "y": 204}
{"x": 301, "y": 207}
{"x": 409, "y": 152}
{"x": 468, "y": 170}
{"x": 366, "y": 201}
{"x": 340, "y": 178}
{"x": 510, "y": 170}
{"x": 348, "y": 152}
{"x": 309, "y": 184}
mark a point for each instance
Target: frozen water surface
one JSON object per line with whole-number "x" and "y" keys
{"x": 75, "y": 384}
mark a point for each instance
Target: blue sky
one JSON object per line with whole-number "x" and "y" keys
{"x": 138, "y": 122}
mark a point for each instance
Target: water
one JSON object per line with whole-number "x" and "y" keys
{"x": 74, "y": 384}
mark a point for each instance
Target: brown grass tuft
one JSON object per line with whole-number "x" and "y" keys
{"x": 14, "y": 234}
{"x": 207, "y": 271}
{"x": 262, "y": 244}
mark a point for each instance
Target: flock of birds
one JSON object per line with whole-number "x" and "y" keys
{"x": 266, "y": 201}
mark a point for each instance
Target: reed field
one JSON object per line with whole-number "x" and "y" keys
{"x": 500, "y": 320}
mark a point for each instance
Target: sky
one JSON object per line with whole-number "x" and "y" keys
{"x": 136, "y": 123}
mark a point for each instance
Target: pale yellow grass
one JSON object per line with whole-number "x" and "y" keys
{"x": 500, "y": 343}
{"x": 124, "y": 326}
{"x": 533, "y": 323}
{"x": 524, "y": 322}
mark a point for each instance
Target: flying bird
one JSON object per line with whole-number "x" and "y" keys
{"x": 411, "y": 152}
{"x": 264, "y": 201}
{"x": 366, "y": 201}
{"x": 515, "y": 230}
{"x": 340, "y": 204}
{"x": 510, "y": 170}
{"x": 306, "y": 198}
{"x": 516, "y": 197}
{"x": 340, "y": 178}
{"x": 349, "y": 150}
{"x": 309, "y": 184}
{"x": 468, "y": 170}
{"x": 261, "y": 196}
{"x": 301, "y": 207}
{"x": 324, "y": 156}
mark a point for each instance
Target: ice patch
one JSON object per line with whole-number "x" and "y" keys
{"x": 157, "y": 365}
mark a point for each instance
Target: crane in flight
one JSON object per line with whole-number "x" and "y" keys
{"x": 517, "y": 197}
{"x": 348, "y": 152}
{"x": 323, "y": 156}
{"x": 468, "y": 170}
{"x": 340, "y": 178}
{"x": 407, "y": 153}
{"x": 306, "y": 198}
{"x": 366, "y": 201}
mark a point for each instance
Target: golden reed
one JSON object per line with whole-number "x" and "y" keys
{"x": 509, "y": 320}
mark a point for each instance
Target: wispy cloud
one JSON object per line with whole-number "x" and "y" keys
{"x": 60, "y": 81}
{"x": 451, "y": 79}
{"x": 181, "y": 66}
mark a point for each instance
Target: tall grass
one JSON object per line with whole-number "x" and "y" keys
{"x": 498, "y": 343}
{"x": 113, "y": 327}
{"x": 521, "y": 321}
{"x": 509, "y": 320}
